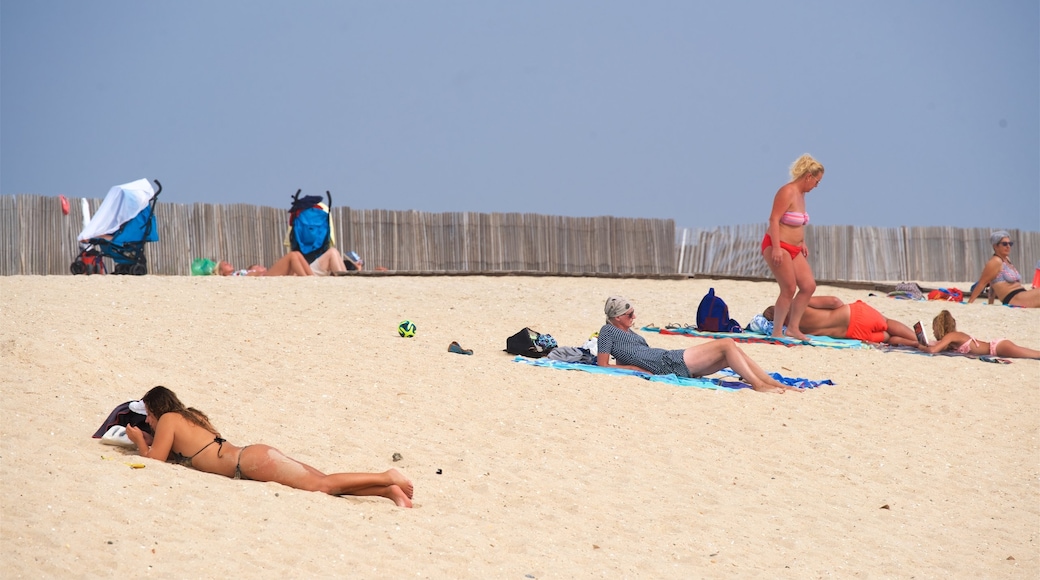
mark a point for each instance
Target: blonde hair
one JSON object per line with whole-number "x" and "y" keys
{"x": 805, "y": 164}
{"x": 943, "y": 324}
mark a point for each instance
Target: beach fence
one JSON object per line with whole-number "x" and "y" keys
{"x": 858, "y": 253}
{"x": 39, "y": 239}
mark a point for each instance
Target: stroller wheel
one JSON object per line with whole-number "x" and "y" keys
{"x": 138, "y": 269}
{"x": 121, "y": 269}
{"x": 78, "y": 267}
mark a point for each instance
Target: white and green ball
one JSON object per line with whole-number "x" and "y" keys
{"x": 406, "y": 328}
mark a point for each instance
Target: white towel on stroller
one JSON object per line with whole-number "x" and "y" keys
{"x": 121, "y": 204}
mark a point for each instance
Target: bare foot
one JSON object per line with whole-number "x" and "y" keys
{"x": 765, "y": 388}
{"x": 775, "y": 383}
{"x": 398, "y": 496}
{"x": 796, "y": 334}
{"x": 401, "y": 481}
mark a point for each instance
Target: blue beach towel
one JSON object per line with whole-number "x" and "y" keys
{"x": 750, "y": 337}
{"x": 701, "y": 382}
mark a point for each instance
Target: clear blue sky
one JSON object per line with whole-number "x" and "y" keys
{"x": 923, "y": 112}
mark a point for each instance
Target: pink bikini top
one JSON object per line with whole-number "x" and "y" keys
{"x": 794, "y": 218}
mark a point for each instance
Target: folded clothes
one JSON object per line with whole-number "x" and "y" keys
{"x": 701, "y": 382}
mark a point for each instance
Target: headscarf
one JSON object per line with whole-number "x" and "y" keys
{"x": 616, "y": 306}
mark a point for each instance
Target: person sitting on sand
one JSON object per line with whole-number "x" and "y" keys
{"x": 630, "y": 350}
{"x": 1003, "y": 278}
{"x": 291, "y": 264}
{"x": 945, "y": 329}
{"x": 829, "y": 316}
{"x": 188, "y": 433}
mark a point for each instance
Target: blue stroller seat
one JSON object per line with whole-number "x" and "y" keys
{"x": 119, "y": 230}
{"x": 310, "y": 226}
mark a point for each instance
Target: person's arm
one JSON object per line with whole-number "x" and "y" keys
{"x": 603, "y": 346}
{"x": 937, "y": 346}
{"x": 162, "y": 441}
{"x": 825, "y": 302}
{"x": 781, "y": 202}
{"x": 989, "y": 272}
{"x": 603, "y": 360}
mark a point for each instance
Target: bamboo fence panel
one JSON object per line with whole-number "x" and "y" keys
{"x": 851, "y": 253}
{"x": 39, "y": 239}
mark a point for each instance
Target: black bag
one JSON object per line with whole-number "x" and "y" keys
{"x": 530, "y": 343}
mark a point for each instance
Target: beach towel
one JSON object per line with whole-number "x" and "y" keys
{"x": 884, "y": 347}
{"x": 700, "y": 382}
{"x": 753, "y": 337}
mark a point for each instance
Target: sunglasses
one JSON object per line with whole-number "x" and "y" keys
{"x": 1006, "y": 244}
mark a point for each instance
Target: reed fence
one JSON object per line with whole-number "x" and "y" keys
{"x": 38, "y": 239}
{"x": 858, "y": 253}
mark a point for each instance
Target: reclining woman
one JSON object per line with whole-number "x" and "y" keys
{"x": 630, "y": 350}
{"x": 291, "y": 264}
{"x": 1002, "y": 276}
{"x": 188, "y": 433}
{"x": 945, "y": 329}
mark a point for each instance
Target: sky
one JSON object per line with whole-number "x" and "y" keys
{"x": 924, "y": 113}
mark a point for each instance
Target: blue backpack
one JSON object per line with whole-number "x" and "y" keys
{"x": 713, "y": 315}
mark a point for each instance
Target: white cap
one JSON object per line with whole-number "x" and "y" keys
{"x": 138, "y": 407}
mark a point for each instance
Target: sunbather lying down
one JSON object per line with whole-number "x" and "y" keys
{"x": 631, "y": 351}
{"x": 945, "y": 328}
{"x": 829, "y": 316}
{"x": 291, "y": 264}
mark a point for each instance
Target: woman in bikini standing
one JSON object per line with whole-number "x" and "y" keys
{"x": 1002, "y": 276}
{"x": 188, "y": 433}
{"x": 784, "y": 246}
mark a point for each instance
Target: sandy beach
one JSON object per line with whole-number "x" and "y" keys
{"x": 909, "y": 466}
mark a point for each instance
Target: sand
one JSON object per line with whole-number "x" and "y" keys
{"x": 910, "y": 466}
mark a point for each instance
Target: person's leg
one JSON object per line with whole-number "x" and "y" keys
{"x": 265, "y": 463}
{"x": 291, "y": 264}
{"x": 1027, "y": 299}
{"x": 1008, "y": 349}
{"x": 806, "y": 286}
{"x": 711, "y": 357}
{"x": 331, "y": 261}
{"x": 900, "y": 334}
{"x": 785, "y": 277}
{"x": 299, "y": 265}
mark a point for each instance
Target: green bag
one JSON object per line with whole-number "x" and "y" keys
{"x": 203, "y": 267}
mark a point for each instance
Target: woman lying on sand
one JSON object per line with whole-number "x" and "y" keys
{"x": 291, "y": 264}
{"x": 945, "y": 329}
{"x": 188, "y": 433}
{"x": 631, "y": 351}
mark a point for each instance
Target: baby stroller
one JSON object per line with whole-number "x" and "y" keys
{"x": 120, "y": 228}
{"x": 310, "y": 226}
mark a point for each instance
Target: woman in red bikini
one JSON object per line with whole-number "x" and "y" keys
{"x": 188, "y": 433}
{"x": 784, "y": 246}
{"x": 1002, "y": 276}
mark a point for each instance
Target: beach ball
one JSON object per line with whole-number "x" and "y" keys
{"x": 406, "y": 329}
